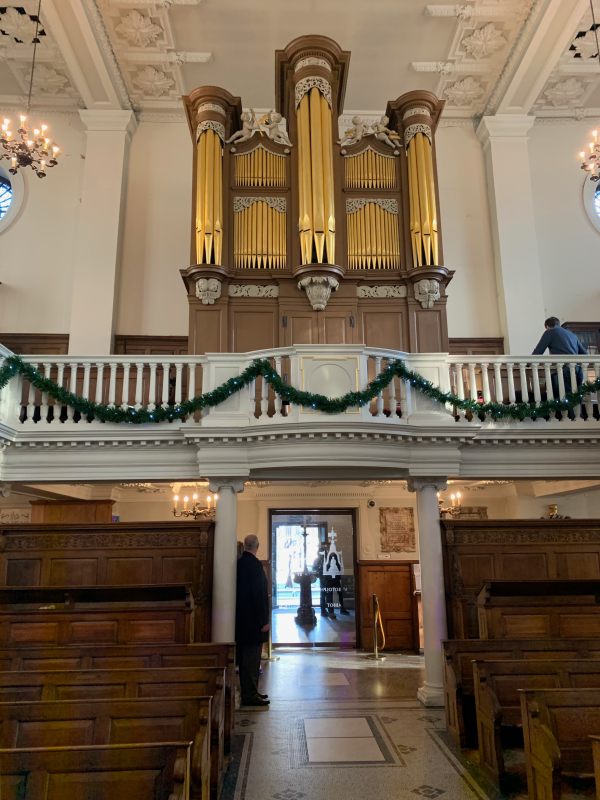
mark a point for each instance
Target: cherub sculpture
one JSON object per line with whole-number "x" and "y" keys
{"x": 383, "y": 134}
{"x": 354, "y": 134}
{"x": 270, "y": 124}
{"x": 249, "y": 128}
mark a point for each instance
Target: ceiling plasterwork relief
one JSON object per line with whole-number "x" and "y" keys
{"x": 485, "y": 32}
{"x": 51, "y": 80}
{"x": 574, "y": 84}
{"x": 144, "y": 44}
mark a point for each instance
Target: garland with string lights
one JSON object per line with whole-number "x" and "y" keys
{"x": 13, "y": 366}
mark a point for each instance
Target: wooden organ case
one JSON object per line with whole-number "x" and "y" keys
{"x": 303, "y": 235}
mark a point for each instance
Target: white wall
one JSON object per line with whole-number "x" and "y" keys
{"x": 36, "y": 250}
{"x": 467, "y": 239}
{"x": 156, "y": 241}
{"x": 568, "y": 244}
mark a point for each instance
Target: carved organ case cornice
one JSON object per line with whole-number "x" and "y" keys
{"x": 309, "y": 213}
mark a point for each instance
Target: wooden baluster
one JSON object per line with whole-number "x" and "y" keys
{"x": 99, "y": 382}
{"x": 392, "y": 397}
{"x": 589, "y": 405}
{"x": 537, "y": 395}
{"x": 512, "y": 396}
{"x": 125, "y": 390}
{"x": 485, "y": 385}
{"x": 498, "y": 388}
{"x": 379, "y": 400}
{"x": 166, "y": 371}
{"x": 44, "y": 407}
{"x": 85, "y": 390}
{"x": 178, "y": 383}
{"x": 523, "y": 380}
{"x": 459, "y": 387}
{"x": 72, "y": 389}
{"x": 264, "y": 399}
{"x": 561, "y": 380}
{"x": 152, "y": 388}
{"x": 57, "y": 405}
{"x": 573, "y": 376}
{"x": 139, "y": 374}
{"x": 278, "y": 402}
{"x": 112, "y": 384}
{"x": 548, "y": 379}
{"x": 191, "y": 393}
{"x": 472, "y": 382}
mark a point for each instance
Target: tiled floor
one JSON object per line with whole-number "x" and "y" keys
{"x": 341, "y": 727}
{"x": 340, "y": 631}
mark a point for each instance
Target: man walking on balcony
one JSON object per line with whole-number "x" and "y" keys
{"x": 252, "y": 618}
{"x": 561, "y": 342}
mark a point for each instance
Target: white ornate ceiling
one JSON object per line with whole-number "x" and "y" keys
{"x": 481, "y": 56}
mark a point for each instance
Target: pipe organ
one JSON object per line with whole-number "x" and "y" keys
{"x": 303, "y": 232}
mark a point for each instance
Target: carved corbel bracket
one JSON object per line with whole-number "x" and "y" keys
{"x": 319, "y": 281}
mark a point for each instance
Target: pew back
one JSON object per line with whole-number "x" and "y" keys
{"x": 94, "y": 722}
{"x": 557, "y": 725}
{"x": 458, "y": 672}
{"x": 135, "y": 772}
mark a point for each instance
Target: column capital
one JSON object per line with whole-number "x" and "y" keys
{"x": 218, "y": 484}
{"x": 418, "y": 484}
{"x": 108, "y": 120}
{"x": 504, "y": 126}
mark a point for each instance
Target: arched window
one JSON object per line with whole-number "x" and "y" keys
{"x": 591, "y": 201}
{"x": 6, "y": 195}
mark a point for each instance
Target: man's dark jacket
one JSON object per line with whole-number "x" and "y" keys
{"x": 252, "y": 605}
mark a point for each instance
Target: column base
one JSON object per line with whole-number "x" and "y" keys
{"x": 431, "y": 696}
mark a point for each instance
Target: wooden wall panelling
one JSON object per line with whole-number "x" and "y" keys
{"x": 482, "y": 346}
{"x": 209, "y": 327}
{"x": 383, "y": 324}
{"x": 393, "y": 585}
{"x": 113, "y": 554}
{"x": 431, "y": 330}
{"x": 34, "y": 344}
{"x": 253, "y": 325}
{"x": 75, "y": 511}
{"x": 486, "y": 550}
{"x": 151, "y": 345}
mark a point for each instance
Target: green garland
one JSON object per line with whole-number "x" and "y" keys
{"x": 13, "y": 365}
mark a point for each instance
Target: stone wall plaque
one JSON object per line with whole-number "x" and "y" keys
{"x": 397, "y": 530}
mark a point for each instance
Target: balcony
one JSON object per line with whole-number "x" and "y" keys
{"x": 398, "y": 429}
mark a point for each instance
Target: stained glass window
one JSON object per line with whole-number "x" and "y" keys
{"x": 6, "y": 195}
{"x": 597, "y": 202}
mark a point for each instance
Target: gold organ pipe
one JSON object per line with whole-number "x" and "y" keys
{"x": 218, "y": 178}
{"x": 200, "y": 178}
{"x": 415, "y": 217}
{"x": 423, "y": 198}
{"x": 316, "y": 163}
{"x": 328, "y": 181}
{"x": 209, "y": 199}
{"x": 432, "y": 200}
{"x": 305, "y": 215}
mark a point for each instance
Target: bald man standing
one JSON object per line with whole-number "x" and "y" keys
{"x": 252, "y": 618}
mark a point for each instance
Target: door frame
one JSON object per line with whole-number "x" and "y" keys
{"x": 323, "y": 512}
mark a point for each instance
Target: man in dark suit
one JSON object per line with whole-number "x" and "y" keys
{"x": 252, "y": 618}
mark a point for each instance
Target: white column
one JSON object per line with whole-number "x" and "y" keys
{"x": 98, "y": 230}
{"x": 225, "y": 559}
{"x": 516, "y": 254}
{"x": 433, "y": 598}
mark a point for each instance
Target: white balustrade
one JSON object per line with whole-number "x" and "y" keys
{"x": 331, "y": 370}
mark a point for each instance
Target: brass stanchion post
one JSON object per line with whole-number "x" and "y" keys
{"x": 375, "y": 655}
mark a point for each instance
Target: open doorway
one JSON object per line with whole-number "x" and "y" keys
{"x": 313, "y": 577}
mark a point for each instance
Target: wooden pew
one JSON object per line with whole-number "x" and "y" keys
{"x": 112, "y": 772}
{"x": 123, "y": 684}
{"x": 497, "y": 700}
{"x": 557, "y": 725}
{"x": 93, "y": 722}
{"x": 96, "y": 615}
{"x": 539, "y": 609}
{"x": 139, "y": 656}
{"x": 459, "y": 654}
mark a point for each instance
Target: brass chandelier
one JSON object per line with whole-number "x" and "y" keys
{"x": 194, "y": 509}
{"x": 590, "y": 161}
{"x": 30, "y": 147}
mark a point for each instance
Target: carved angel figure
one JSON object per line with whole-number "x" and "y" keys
{"x": 270, "y": 125}
{"x": 249, "y": 128}
{"x": 384, "y": 134}
{"x": 354, "y": 134}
